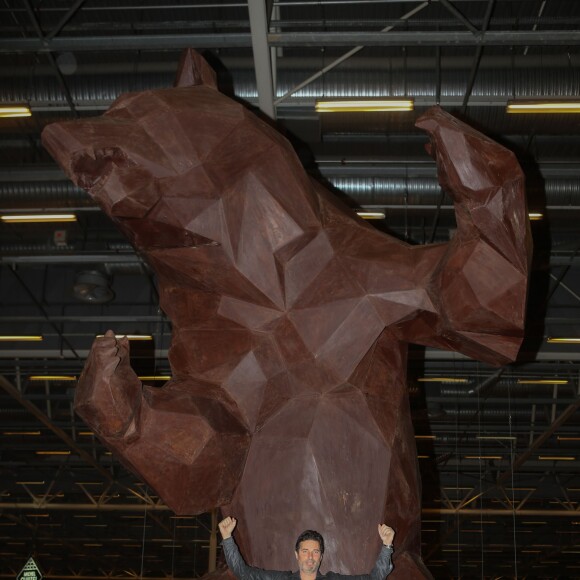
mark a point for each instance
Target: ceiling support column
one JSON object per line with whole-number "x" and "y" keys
{"x": 262, "y": 62}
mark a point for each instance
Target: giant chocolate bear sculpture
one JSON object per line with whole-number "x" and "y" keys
{"x": 291, "y": 318}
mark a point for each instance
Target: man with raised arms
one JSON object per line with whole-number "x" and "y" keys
{"x": 309, "y": 553}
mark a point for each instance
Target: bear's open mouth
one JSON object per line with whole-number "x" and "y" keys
{"x": 93, "y": 167}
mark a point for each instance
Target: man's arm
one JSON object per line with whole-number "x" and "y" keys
{"x": 383, "y": 566}
{"x": 235, "y": 561}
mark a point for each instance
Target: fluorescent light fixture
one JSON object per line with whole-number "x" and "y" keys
{"x": 155, "y": 378}
{"x": 371, "y": 215}
{"x": 21, "y": 338}
{"x": 556, "y": 458}
{"x": 38, "y": 218}
{"x": 442, "y": 380}
{"x": 424, "y": 436}
{"x": 496, "y": 437}
{"x": 563, "y": 340}
{"x": 535, "y": 215}
{"x": 543, "y": 106}
{"x": 364, "y": 105}
{"x": 18, "y": 433}
{"x": 30, "y": 482}
{"x": 11, "y": 112}
{"x": 130, "y": 336}
{"x": 542, "y": 381}
{"x": 483, "y": 457}
{"x": 51, "y": 378}
{"x": 52, "y": 452}
{"x": 563, "y": 438}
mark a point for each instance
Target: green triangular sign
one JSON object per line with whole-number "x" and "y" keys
{"x": 30, "y": 571}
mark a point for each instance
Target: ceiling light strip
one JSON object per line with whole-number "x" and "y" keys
{"x": 548, "y": 106}
{"x": 371, "y": 215}
{"x": 14, "y": 111}
{"x": 21, "y": 338}
{"x": 38, "y": 218}
{"x": 442, "y": 380}
{"x": 129, "y": 336}
{"x": 364, "y": 105}
{"x": 51, "y": 378}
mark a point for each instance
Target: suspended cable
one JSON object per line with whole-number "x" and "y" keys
{"x": 457, "y": 460}
{"x": 509, "y": 390}
{"x": 480, "y": 476}
{"x": 173, "y": 550}
{"x": 143, "y": 540}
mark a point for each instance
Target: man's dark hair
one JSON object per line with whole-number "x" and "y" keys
{"x": 310, "y": 535}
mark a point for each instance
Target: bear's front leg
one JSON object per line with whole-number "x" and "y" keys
{"x": 185, "y": 439}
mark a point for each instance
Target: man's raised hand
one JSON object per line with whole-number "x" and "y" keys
{"x": 227, "y": 526}
{"x": 387, "y": 534}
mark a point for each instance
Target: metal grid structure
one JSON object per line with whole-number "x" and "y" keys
{"x": 498, "y": 448}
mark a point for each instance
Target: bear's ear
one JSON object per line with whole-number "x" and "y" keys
{"x": 194, "y": 70}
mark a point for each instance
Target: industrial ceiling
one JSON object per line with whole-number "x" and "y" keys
{"x": 498, "y": 448}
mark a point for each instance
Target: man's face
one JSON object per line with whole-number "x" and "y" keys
{"x": 309, "y": 556}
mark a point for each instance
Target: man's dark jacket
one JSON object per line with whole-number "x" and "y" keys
{"x": 242, "y": 571}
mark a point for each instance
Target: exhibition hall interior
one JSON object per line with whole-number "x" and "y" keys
{"x": 498, "y": 447}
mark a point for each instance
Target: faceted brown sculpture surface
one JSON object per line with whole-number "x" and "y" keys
{"x": 291, "y": 318}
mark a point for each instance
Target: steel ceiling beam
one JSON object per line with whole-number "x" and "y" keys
{"x": 427, "y": 355}
{"x": 346, "y": 55}
{"x": 63, "y": 21}
{"x": 83, "y": 507}
{"x": 459, "y": 15}
{"x": 105, "y": 576}
{"x": 149, "y": 42}
{"x": 500, "y": 512}
{"x": 540, "y": 440}
{"x": 163, "y": 508}
{"x": 262, "y": 62}
{"x": 522, "y": 458}
{"x": 477, "y": 56}
{"x": 50, "y": 57}
{"x": 427, "y": 38}
{"x": 38, "y": 414}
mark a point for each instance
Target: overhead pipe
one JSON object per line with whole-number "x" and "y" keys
{"x": 405, "y": 189}
{"x": 417, "y": 78}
